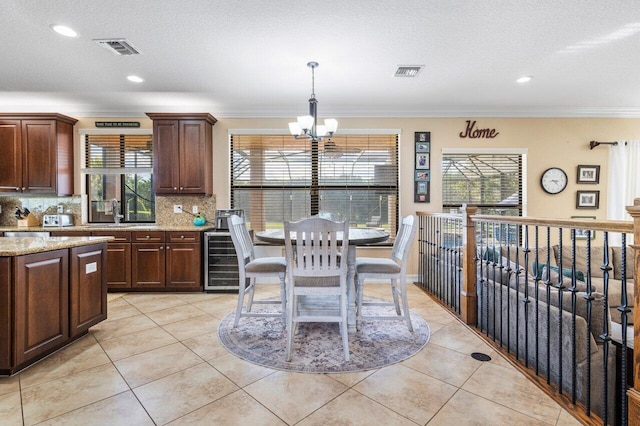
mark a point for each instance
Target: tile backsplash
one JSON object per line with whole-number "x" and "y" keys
{"x": 39, "y": 206}
{"x": 164, "y": 208}
{"x": 165, "y": 215}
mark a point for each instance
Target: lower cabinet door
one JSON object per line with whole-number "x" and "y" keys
{"x": 88, "y": 288}
{"x": 184, "y": 265}
{"x": 119, "y": 265}
{"x": 41, "y": 303}
{"x": 147, "y": 266}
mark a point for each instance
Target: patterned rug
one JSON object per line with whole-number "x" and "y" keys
{"x": 317, "y": 347}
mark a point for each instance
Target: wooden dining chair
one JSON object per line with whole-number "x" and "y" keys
{"x": 313, "y": 250}
{"x": 394, "y": 269}
{"x": 251, "y": 268}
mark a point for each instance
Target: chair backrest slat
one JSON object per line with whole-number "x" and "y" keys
{"x": 314, "y": 247}
{"x": 404, "y": 239}
{"x": 241, "y": 239}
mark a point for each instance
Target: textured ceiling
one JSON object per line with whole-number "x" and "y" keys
{"x": 248, "y": 58}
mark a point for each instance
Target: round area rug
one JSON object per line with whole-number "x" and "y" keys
{"x": 317, "y": 347}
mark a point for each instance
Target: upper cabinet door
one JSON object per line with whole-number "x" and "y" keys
{"x": 183, "y": 153}
{"x": 39, "y": 170}
{"x": 11, "y": 158}
{"x": 192, "y": 153}
{"x": 166, "y": 151}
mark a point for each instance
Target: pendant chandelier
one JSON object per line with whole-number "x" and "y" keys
{"x": 307, "y": 126}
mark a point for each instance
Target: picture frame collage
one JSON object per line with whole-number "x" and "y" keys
{"x": 422, "y": 167}
{"x": 588, "y": 174}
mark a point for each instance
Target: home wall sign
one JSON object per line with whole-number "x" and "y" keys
{"x": 117, "y": 124}
{"x": 473, "y": 132}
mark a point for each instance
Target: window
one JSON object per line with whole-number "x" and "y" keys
{"x": 119, "y": 166}
{"x": 352, "y": 177}
{"x": 491, "y": 181}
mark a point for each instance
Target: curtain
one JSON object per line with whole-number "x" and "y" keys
{"x": 624, "y": 182}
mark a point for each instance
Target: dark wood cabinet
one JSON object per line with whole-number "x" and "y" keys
{"x": 37, "y": 153}
{"x": 147, "y": 265}
{"x": 118, "y": 269}
{"x": 170, "y": 260}
{"x": 47, "y": 300}
{"x": 87, "y": 288}
{"x": 183, "y": 162}
{"x": 41, "y": 286}
{"x": 184, "y": 260}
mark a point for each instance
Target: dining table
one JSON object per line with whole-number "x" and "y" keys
{"x": 357, "y": 236}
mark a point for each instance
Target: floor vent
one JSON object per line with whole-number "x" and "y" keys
{"x": 119, "y": 46}
{"x": 408, "y": 70}
{"x": 480, "y": 356}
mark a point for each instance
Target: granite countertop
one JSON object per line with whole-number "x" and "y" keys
{"x": 109, "y": 227}
{"x": 17, "y": 246}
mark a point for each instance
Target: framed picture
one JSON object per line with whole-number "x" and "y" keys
{"x": 422, "y": 160}
{"x": 423, "y": 136}
{"x": 587, "y": 199}
{"x": 588, "y": 174}
{"x": 581, "y": 234}
{"x": 421, "y": 193}
{"x": 422, "y": 147}
{"x": 422, "y": 175}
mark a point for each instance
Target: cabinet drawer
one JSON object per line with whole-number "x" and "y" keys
{"x": 148, "y": 236}
{"x": 183, "y": 237}
{"x": 120, "y": 236}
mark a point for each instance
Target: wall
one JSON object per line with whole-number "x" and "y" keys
{"x": 561, "y": 142}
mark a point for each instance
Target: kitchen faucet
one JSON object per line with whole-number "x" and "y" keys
{"x": 115, "y": 208}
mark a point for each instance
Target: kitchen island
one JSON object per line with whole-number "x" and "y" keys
{"x": 51, "y": 291}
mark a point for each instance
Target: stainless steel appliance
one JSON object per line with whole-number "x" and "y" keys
{"x": 220, "y": 262}
{"x": 222, "y": 215}
{"x": 57, "y": 220}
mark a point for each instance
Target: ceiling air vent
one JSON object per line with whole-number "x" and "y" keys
{"x": 119, "y": 46}
{"x": 408, "y": 70}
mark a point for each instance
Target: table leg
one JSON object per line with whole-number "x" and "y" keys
{"x": 351, "y": 288}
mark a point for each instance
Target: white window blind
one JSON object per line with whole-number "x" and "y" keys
{"x": 277, "y": 178}
{"x": 114, "y": 154}
{"x": 493, "y": 182}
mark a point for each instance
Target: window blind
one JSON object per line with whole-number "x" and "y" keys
{"x": 493, "y": 182}
{"x": 114, "y": 154}
{"x": 352, "y": 177}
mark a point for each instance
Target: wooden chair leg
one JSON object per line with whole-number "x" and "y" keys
{"x": 359, "y": 291}
{"x": 344, "y": 326}
{"x": 405, "y": 304}
{"x": 394, "y": 293}
{"x": 241, "y": 289}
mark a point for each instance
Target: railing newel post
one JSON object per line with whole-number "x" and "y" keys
{"x": 468, "y": 296}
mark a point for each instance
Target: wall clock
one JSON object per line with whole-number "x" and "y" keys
{"x": 554, "y": 180}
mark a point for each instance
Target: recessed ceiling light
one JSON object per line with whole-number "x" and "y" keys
{"x": 525, "y": 79}
{"x": 64, "y": 30}
{"x": 135, "y": 78}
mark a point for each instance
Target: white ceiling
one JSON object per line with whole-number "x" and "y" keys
{"x": 248, "y": 58}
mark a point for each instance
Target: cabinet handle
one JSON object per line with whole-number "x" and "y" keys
{"x": 147, "y": 237}
{"x": 181, "y": 188}
{"x": 17, "y": 188}
{"x": 161, "y": 248}
{"x": 175, "y": 188}
{"x": 23, "y": 188}
{"x": 168, "y": 247}
{"x": 182, "y": 236}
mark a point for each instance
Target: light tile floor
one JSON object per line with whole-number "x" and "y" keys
{"x": 157, "y": 360}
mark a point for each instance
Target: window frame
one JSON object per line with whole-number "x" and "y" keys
{"x": 87, "y": 171}
{"x": 315, "y": 183}
{"x": 522, "y": 152}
